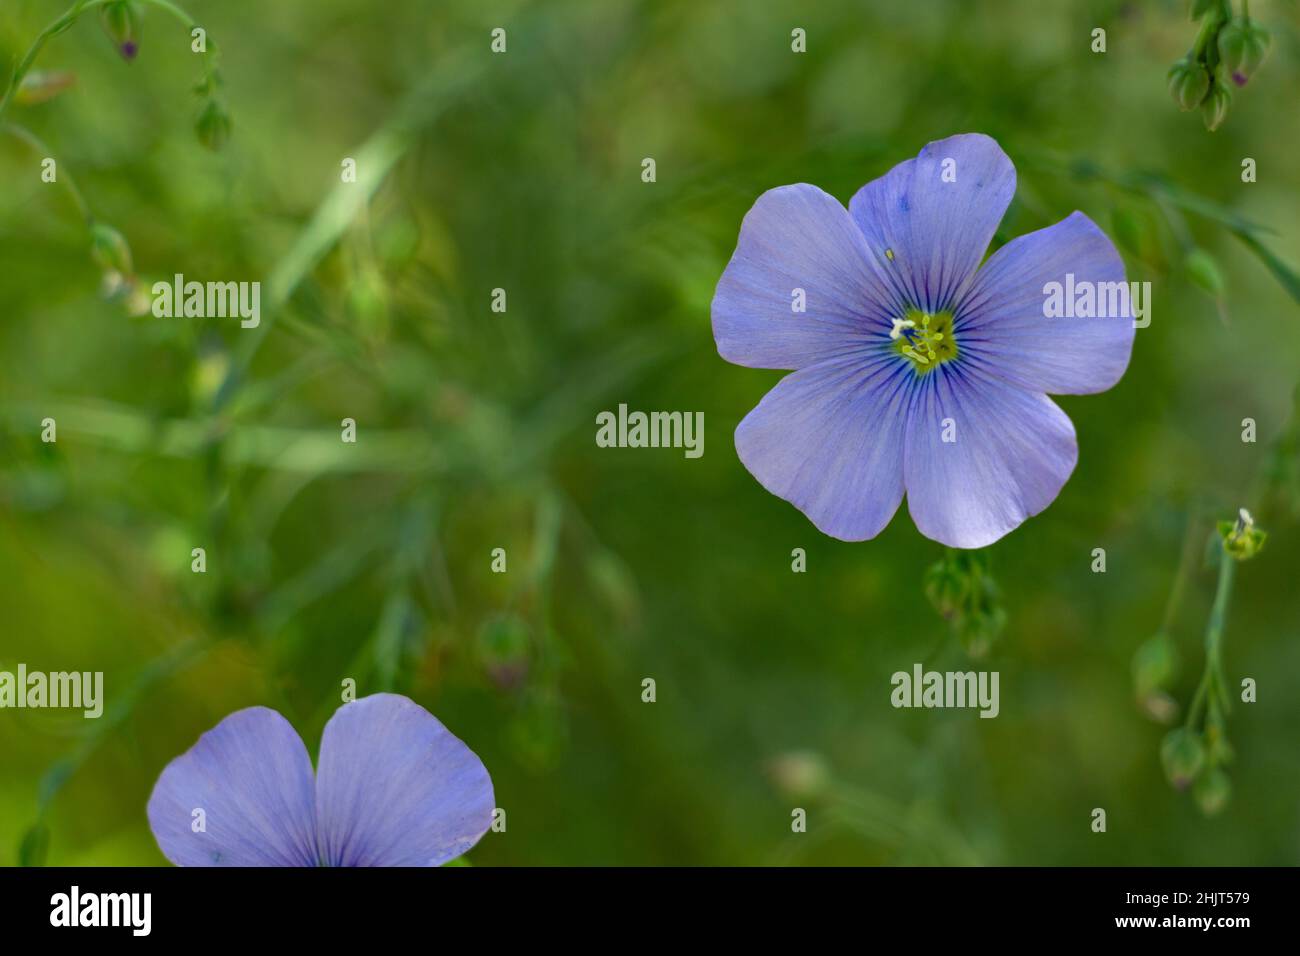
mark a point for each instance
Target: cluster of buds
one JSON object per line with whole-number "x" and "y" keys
{"x": 121, "y": 21}
{"x": 1196, "y": 755}
{"x": 1228, "y": 49}
{"x": 1196, "y": 760}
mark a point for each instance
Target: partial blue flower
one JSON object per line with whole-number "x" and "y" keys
{"x": 393, "y": 787}
{"x": 903, "y": 331}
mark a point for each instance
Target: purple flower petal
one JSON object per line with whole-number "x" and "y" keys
{"x": 251, "y": 776}
{"x": 1000, "y": 319}
{"x": 395, "y": 788}
{"x": 797, "y": 237}
{"x": 1013, "y": 452}
{"x": 829, "y": 439}
{"x": 930, "y": 232}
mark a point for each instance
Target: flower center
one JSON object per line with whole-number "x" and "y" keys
{"x": 925, "y": 339}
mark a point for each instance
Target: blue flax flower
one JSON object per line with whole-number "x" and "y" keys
{"x": 916, "y": 369}
{"x": 392, "y": 787}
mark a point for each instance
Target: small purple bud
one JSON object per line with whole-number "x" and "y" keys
{"x": 1243, "y": 44}
{"x": 122, "y": 24}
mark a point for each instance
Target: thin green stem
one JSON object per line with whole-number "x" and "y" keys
{"x": 1209, "y": 27}
{"x": 64, "y": 23}
{"x": 1186, "y": 560}
{"x": 38, "y": 145}
{"x": 49, "y": 33}
{"x": 1218, "y": 617}
{"x": 174, "y": 10}
{"x": 1211, "y": 689}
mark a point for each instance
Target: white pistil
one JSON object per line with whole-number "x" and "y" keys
{"x": 899, "y": 325}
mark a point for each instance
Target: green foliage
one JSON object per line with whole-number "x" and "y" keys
{"x": 521, "y": 171}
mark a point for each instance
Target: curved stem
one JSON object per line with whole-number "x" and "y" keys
{"x": 1212, "y": 690}
{"x": 31, "y": 139}
{"x": 65, "y": 22}
{"x": 1218, "y": 617}
{"x": 1186, "y": 558}
{"x": 54, "y": 29}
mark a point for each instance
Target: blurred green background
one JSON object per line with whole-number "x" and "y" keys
{"x": 476, "y": 429}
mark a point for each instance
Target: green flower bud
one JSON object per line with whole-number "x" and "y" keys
{"x": 1215, "y": 108}
{"x": 1212, "y": 792}
{"x": 1204, "y": 272}
{"x": 945, "y": 587}
{"x": 122, "y": 24}
{"x": 962, "y": 590}
{"x": 1242, "y": 48}
{"x": 1242, "y": 540}
{"x": 1183, "y": 756}
{"x": 112, "y": 254}
{"x": 1154, "y": 663}
{"x": 213, "y": 126}
{"x": 1188, "y": 83}
{"x": 978, "y": 631}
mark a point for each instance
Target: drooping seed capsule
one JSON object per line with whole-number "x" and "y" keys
{"x": 1212, "y": 792}
{"x": 1215, "y": 108}
{"x": 109, "y": 249}
{"x": 213, "y": 125}
{"x": 1153, "y": 665}
{"x": 1183, "y": 755}
{"x": 1243, "y": 44}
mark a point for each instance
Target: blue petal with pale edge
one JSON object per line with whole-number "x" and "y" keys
{"x": 1000, "y": 320}
{"x": 1012, "y": 453}
{"x": 251, "y": 777}
{"x": 829, "y": 439}
{"x": 936, "y": 215}
{"x": 798, "y": 237}
{"x": 394, "y": 787}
